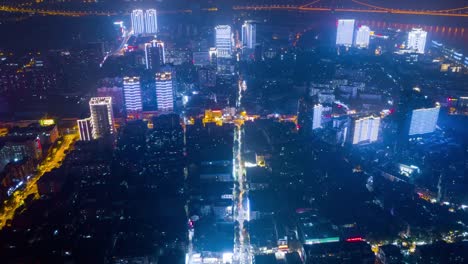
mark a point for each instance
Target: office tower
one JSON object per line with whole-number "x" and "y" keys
{"x": 132, "y": 94}
{"x": 151, "y": 21}
{"x": 223, "y": 41}
{"x": 138, "y": 21}
{"x": 366, "y": 129}
{"x": 317, "y": 116}
{"x": 164, "y": 91}
{"x": 249, "y": 35}
{"x": 362, "y": 37}
{"x": 345, "y": 32}
{"x": 417, "y": 40}
{"x": 154, "y": 55}
{"x": 102, "y": 116}
{"x": 85, "y": 129}
{"x": 423, "y": 121}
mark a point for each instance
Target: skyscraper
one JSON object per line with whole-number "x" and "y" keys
{"x": 164, "y": 91}
{"x": 102, "y": 116}
{"x": 151, "y": 21}
{"x": 154, "y": 54}
{"x": 362, "y": 37}
{"x": 366, "y": 129}
{"x": 138, "y": 21}
{"x": 317, "y": 116}
{"x": 423, "y": 121}
{"x": 223, "y": 41}
{"x": 249, "y": 35}
{"x": 417, "y": 40}
{"x": 132, "y": 94}
{"x": 85, "y": 129}
{"x": 345, "y": 32}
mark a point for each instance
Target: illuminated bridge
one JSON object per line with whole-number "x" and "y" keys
{"x": 359, "y": 6}
{"x": 362, "y": 6}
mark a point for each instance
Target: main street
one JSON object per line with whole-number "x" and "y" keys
{"x": 242, "y": 248}
{"x": 52, "y": 161}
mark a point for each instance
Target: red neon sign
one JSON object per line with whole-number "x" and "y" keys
{"x": 354, "y": 239}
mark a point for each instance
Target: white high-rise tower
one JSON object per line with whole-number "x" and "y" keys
{"x": 417, "y": 40}
{"x": 164, "y": 91}
{"x": 345, "y": 32}
{"x": 138, "y": 21}
{"x": 317, "y": 116}
{"x": 366, "y": 129}
{"x": 249, "y": 35}
{"x": 423, "y": 121}
{"x": 155, "y": 55}
{"x": 102, "y": 116}
{"x": 132, "y": 94}
{"x": 151, "y": 21}
{"x": 362, "y": 37}
{"x": 223, "y": 41}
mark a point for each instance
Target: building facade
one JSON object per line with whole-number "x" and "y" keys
{"x": 249, "y": 35}
{"x": 132, "y": 94}
{"x": 102, "y": 117}
{"x": 362, "y": 37}
{"x": 423, "y": 121}
{"x": 151, "y": 21}
{"x": 417, "y": 40}
{"x": 164, "y": 91}
{"x": 138, "y": 21}
{"x": 154, "y": 55}
{"x": 223, "y": 41}
{"x": 366, "y": 129}
{"x": 345, "y": 32}
{"x": 85, "y": 129}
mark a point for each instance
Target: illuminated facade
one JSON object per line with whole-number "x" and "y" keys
{"x": 213, "y": 116}
{"x": 164, "y": 91}
{"x": 366, "y": 129}
{"x": 223, "y": 41}
{"x": 345, "y": 32}
{"x": 317, "y": 116}
{"x": 132, "y": 94}
{"x": 85, "y": 129}
{"x": 154, "y": 54}
{"x": 151, "y": 21}
{"x": 102, "y": 116}
{"x": 423, "y": 121}
{"x": 138, "y": 21}
{"x": 417, "y": 40}
{"x": 362, "y": 37}
{"x": 249, "y": 35}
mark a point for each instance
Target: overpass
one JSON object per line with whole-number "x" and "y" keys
{"x": 358, "y": 6}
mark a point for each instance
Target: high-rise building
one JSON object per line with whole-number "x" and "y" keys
{"x": 154, "y": 55}
{"x": 102, "y": 116}
{"x": 132, "y": 94}
{"x": 164, "y": 91}
{"x": 249, "y": 35}
{"x": 345, "y": 32}
{"x": 138, "y": 21}
{"x": 423, "y": 121}
{"x": 366, "y": 129}
{"x": 223, "y": 41}
{"x": 85, "y": 129}
{"x": 417, "y": 40}
{"x": 317, "y": 116}
{"x": 151, "y": 21}
{"x": 362, "y": 37}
